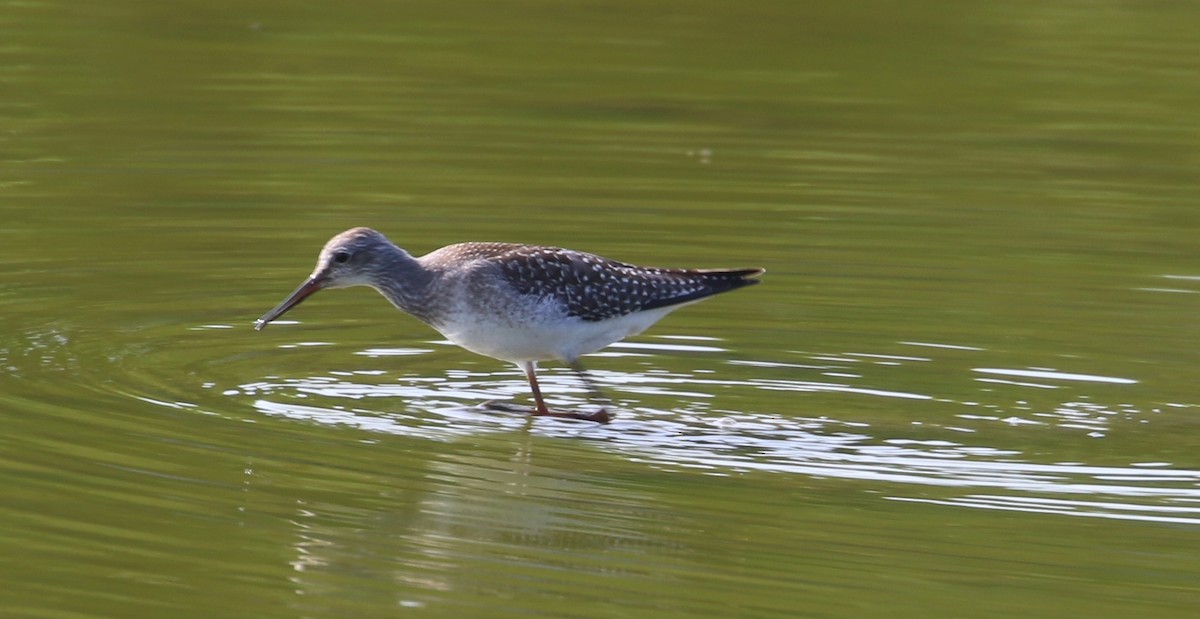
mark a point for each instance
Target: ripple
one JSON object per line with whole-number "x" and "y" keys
{"x": 694, "y": 438}
{"x": 668, "y": 419}
{"x": 393, "y": 352}
{"x": 1056, "y": 375}
{"x": 946, "y": 346}
{"x": 1086, "y": 509}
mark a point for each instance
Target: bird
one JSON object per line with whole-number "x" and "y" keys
{"x": 514, "y": 302}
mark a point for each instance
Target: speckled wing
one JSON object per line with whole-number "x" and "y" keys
{"x": 595, "y": 288}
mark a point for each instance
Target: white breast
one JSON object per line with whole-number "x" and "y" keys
{"x": 561, "y": 338}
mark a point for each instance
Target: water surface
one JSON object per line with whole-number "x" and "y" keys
{"x": 966, "y": 386}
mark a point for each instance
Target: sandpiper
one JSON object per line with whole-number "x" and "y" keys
{"x": 516, "y": 303}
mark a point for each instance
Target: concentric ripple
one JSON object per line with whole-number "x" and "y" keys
{"x": 681, "y": 406}
{"x": 925, "y": 447}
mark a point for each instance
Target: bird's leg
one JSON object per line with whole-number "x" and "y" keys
{"x": 601, "y": 415}
{"x": 531, "y": 375}
{"x": 593, "y": 390}
{"x": 530, "y": 368}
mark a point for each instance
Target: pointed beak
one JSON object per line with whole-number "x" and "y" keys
{"x": 303, "y": 292}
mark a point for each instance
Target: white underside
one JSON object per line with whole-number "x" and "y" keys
{"x": 561, "y": 338}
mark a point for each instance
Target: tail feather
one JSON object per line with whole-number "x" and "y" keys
{"x": 715, "y": 281}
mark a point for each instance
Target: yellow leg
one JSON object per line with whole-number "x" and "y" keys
{"x": 530, "y": 368}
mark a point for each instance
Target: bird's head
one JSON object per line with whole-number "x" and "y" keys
{"x": 352, "y": 258}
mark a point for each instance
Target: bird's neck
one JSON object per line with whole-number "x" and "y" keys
{"x": 405, "y": 282}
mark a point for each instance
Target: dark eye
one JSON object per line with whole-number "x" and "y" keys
{"x": 341, "y": 256}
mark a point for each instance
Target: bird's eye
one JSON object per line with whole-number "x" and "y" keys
{"x": 341, "y": 256}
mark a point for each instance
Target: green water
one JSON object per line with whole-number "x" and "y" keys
{"x": 966, "y": 387}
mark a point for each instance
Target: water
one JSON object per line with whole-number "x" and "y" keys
{"x": 966, "y": 386}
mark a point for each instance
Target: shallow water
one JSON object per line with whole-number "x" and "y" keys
{"x": 966, "y": 385}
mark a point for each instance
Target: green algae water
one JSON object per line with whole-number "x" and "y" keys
{"x": 966, "y": 387}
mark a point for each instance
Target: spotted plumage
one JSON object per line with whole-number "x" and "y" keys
{"x": 593, "y": 288}
{"x": 519, "y": 303}
{"x": 587, "y": 286}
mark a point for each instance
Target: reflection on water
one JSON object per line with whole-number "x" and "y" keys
{"x": 1052, "y": 375}
{"x": 702, "y": 435}
{"x": 486, "y": 522}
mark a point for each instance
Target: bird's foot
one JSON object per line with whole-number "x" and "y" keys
{"x": 598, "y": 416}
{"x": 506, "y": 407}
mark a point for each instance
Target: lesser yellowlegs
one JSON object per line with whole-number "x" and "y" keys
{"x": 516, "y": 303}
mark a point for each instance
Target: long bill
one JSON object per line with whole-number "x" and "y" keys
{"x": 303, "y": 292}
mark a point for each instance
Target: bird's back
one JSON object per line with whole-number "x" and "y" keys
{"x": 594, "y": 288}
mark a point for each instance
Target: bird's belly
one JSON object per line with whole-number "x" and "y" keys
{"x": 561, "y": 338}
